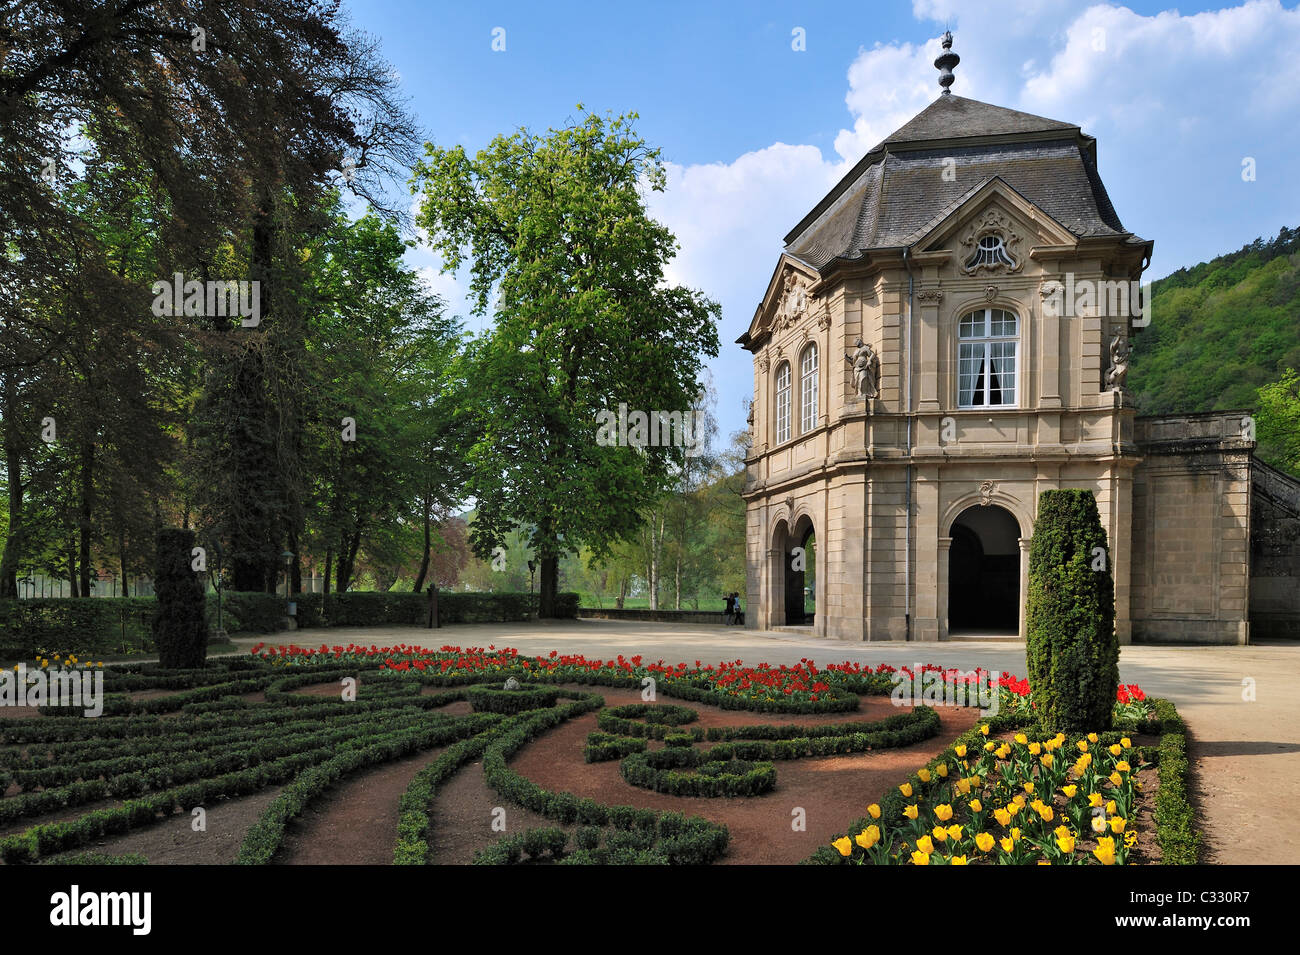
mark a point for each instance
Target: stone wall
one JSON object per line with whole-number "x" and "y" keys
{"x": 1191, "y": 529}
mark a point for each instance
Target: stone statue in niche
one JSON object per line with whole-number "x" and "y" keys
{"x": 1117, "y": 374}
{"x": 866, "y": 370}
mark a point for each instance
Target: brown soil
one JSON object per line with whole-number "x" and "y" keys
{"x": 463, "y": 817}
{"x": 173, "y": 841}
{"x": 356, "y": 823}
{"x": 18, "y": 712}
{"x": 832, "y": 791}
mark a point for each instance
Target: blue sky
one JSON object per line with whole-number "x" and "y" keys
{"x": 755, "y": 132}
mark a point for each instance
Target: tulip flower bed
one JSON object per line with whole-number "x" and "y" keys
{"x": 1057, "y": 800}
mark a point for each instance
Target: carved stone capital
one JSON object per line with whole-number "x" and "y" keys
{"x": 930, "y": 295}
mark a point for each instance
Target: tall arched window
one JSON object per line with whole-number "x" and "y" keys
{"x": 986, "y": 358}
{"x": 783, "y": 403}
{"x": 808, "y": 389}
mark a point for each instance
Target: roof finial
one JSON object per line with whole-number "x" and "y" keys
{"x": 945, "y": 62}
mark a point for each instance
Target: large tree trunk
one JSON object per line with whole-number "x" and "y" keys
{"x": 329, "y": 561}
{"x": 546, "y": 602}
{"x": 87, "y": 498}
{"x": 72, "y": 566}
{"x": 13, "y": 551}
{"x": 677, "y": 580}
{"x": 428, "y": 547}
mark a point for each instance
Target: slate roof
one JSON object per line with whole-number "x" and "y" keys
{"x": 897, "y": 190}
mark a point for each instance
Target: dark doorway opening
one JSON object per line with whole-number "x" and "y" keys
{"x": 801, "y": 580}
{"x": 984, "y": 572}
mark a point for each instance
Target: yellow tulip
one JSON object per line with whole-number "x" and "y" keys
{"x": 905, "y": 789}
{"x": 1029, "y": 787}
{"x": 1046, "y": 812}
{"x": 957, "y": 860}
{"x": 925, "y": 845}
{"x": 960, "y": 750}
{"x": 942, "y": 770}
{"x": 1003, "y": 817}
{"x": 923, "y": 775}
{"x": 1047, "y": 760}
{"x": 1018, "y": 801}
{"x": 1015, "y": 835}
{"x": 920, "y": 858}
{"x": 873, "y": 811}
{"x": 1116, "y": 778}
{"x": 1062, "y": 830}
{"x": 1035, "y": 749}
{"x": 984, "y": 841}
{"x": 1083, "y": 745}
{"x": 1022, "y": 739}
{"x": 1092, "y": 737}
{"x": 943, "y": 812}
{"x": 868, "y": 837}
{"x": 940, "y": 833}
{"x": 963, "y": 786}
{"x": 1094, "y": 799}
{"x": 1117, "y": 824}
{"x": 976, "y": 806}
{"x": 1044, "y": 862}
{"x": 1006, "y": 844}
{"x": 910, "y": 811}
{"x": 1126, "y": 742}
{"x": 1105, "y": 851}
{"x": 1110, "y": 808}
{"x": 1115, "y": 749}
{"x": 1123, "y": 767}
{"x": 954, "y": 832}
{"x": 1070, "y": 790}
{"x": 990, "y": 746}
{"x": 985, "y": 729}
{"x": 844, "y": 846}
{"x": 1065, "y": 843}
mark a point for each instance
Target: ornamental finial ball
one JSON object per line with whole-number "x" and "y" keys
{"x": 945, "y": 62}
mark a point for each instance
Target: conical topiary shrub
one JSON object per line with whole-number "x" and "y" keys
{"x": 180, "y": 627}
{"x": 1073, "y": 654}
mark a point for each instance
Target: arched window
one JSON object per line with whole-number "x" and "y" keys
{"x": 783, "y": 403}
{"x": 986, "y": 358}
{"x": 808, "y": 389}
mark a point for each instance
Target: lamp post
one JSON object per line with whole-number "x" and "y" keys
{"x": 287, "y": 556}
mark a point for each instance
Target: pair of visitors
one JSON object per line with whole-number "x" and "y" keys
{"x": 733, "y": 614}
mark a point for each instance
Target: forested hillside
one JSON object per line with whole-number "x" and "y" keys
{"x": 1220, "y": 332}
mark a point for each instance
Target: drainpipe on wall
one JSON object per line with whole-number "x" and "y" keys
{"x": 907, "y": 427}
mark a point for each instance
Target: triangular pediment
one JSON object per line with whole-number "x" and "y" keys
{"x": 788, "y": 299}
{"x": 989, "y": 209}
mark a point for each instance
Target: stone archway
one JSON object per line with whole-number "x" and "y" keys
{"x": 800, "y": 574}
{"x": 984, "y": 571}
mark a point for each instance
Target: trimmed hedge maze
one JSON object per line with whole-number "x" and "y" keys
{"x": 302, "y": 721}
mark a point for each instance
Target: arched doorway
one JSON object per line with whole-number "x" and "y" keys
{"x": 984, "y": 571}
{"x": 801, "y": 575}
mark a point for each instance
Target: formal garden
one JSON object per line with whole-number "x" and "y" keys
{"x": 616, "y": 761}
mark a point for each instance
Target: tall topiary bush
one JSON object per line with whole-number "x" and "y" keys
{"x": 180, "y": 628}
{"x": 1073, "y": 653}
